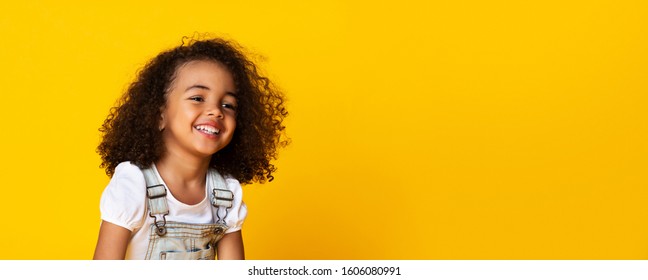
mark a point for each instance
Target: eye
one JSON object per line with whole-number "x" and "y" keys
{"x": 197, "y": 98}
{"x": 229, "y": 106}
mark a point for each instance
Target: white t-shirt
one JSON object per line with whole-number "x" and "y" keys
{"x": 123, "y": 203}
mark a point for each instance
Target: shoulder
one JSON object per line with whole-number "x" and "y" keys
{"x": 128, "y": 180}
{"x": 123, "y": 200}
{"x": 127, "y": 170}
{"x": 126, "y": 187}
{"x": 127, "y": 173}
{"x": 230, "y": 183}
{"x": 233, "y": 185}
{"x": 238, "y": 211}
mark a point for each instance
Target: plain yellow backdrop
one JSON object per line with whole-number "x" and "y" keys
{"x": 420, "y": 129}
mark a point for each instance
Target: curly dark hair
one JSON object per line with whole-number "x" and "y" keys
{"x": 131, "y": 131}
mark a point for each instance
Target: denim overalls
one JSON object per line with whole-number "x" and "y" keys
{"x": 183, "y": 241}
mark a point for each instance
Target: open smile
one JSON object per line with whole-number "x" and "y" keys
{"x": 207, "y": 129}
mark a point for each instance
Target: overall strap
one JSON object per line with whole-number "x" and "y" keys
{"x": 156, "y": 197}
{"x": 221, "y": 196}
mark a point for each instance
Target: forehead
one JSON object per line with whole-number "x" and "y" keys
{"x": 198, "y": 67}
{"x": 203, "y": 71}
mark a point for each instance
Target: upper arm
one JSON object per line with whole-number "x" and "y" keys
{"x": 112, "y": 243}
{"x": 122, "y": 210}
{"x": 230, "y": 247}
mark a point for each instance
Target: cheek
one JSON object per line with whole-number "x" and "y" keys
{"x": 233, "y": 125}
{"x": 182, "y": 114}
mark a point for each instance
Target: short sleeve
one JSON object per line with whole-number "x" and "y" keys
{"x": 236, "y": 216}
{"x": 123, "y": 201}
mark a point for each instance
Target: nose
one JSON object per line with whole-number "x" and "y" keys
{"x": 215, "y": 111}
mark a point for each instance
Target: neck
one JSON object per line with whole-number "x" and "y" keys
{"x": 182, "y": 170}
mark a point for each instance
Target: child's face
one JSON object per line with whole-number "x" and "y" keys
{"x": 200, "y": 114}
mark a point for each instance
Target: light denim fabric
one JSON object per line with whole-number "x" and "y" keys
{"x": 184, "y": 241}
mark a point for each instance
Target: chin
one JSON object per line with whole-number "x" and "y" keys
{"x": 210, "y": 151}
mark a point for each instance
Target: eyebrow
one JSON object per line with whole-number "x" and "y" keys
{"x": 199, "y": 86}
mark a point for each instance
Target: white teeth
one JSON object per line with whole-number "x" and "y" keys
{"x": 208, "y": 129}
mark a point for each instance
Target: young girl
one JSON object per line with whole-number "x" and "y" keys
{"x": 197, "y": 120}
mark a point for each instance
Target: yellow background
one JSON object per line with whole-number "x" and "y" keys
{"x": 420, "y": 129}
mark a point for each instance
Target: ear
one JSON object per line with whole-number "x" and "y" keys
{"x": 162, "y": 123}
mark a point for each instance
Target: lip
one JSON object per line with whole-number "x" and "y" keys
{"x": 210, "y": 123}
